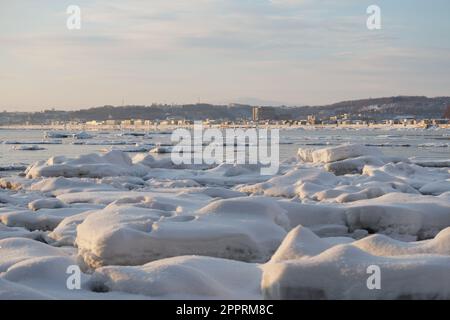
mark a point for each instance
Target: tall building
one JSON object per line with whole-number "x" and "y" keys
{"x": 255, "y": 114}
{"x": 312, "y": 120}
{"x": 263, "y": 113}
{"x": 447, "y": 113}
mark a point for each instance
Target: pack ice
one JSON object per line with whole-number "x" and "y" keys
{"x": 143, "y": 228}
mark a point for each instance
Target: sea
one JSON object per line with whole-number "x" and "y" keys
{"x": 416, "y": 143}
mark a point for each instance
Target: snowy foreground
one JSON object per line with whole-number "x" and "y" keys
{"x": 141, "y": 228}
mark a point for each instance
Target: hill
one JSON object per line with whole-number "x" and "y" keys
{"x": 376, "y": 109}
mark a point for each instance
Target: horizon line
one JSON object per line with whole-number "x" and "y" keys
{"x": 55, "y": 109}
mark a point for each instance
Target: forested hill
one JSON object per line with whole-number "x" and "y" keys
{"x": 378, "y": 108}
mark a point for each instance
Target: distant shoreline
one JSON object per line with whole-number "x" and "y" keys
{"x": 83, "y": 127}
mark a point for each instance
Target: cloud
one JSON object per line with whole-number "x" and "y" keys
{"x": 177, "y": 50}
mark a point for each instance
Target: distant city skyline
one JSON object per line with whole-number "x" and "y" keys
{"x": 291, "y": 52}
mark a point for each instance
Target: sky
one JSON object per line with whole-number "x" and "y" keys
{"x": 292, "y": 52}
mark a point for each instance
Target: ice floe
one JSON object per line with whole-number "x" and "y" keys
{"x": 185, "y": 277}
{"x": 142, "y": 227}
{"x": 307, "y": 267}
{"x": 28, "y": 148}
{"x": 244, "y": 229}
{"x": 114, "y": 163}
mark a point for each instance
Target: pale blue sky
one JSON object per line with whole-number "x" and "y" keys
{"x": 180, "y": 51}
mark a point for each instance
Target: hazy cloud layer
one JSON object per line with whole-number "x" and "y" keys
{"x": 289, "y": 51}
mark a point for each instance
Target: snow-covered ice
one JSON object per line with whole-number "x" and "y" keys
{"x": 28, "y": 148}
{"x": 114, "y": 163}
{"x": 142, "y": 227}
{"x": 184, "y": 277}
{"x": 140, "y": 230}
{"x": 307, "y": 267}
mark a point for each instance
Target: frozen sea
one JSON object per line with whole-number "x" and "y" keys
{"x": 111, "y": 220}
{"x": 431, "y": 144}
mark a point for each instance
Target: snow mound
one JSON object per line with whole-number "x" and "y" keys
{"x": 186, "y": 277}
{"x": 248, "y": 209}
{"x": 15, "y": 183}
{"x": 221, "y": 175}
{"x": 61, "y": 185}
{"x": 436, "y": 188}
{"x": 411, "y": 174}
{"x": 28, "y": 219}
{"x": 343, "y": 272}
{"x": 15, "y": 250}
{"x": 332, "y": 154}
{"x": 292, "y": 182}
{"x": 12, "y": 291}
{"x": 217, "y": 192}
{"x": 347, "y": 159}
{"x": 114, "y": 163}
{"x": 301, "y": 242}
{"x": 353, "y": 179}
{"x": 48, "y": 273}
{"x": 48, "y": 203}
{"x": 352, "y": 165}
{"x": 400, "y": 214}
{"x": 381, "y": 245}
{"x": 17, "y": 232}
{"x": 66, "y": 232}
{"x": 244, "y": 229}
{"x": 43, "y": 219}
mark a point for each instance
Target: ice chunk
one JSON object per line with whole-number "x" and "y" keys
{"x": 61, "y": 185}
{"x": 28, "y": 148}
{"x": 436, "y": 188}
{"x": 66, "y": 231}
{"x": 183, "y": 278}
{"x": 14, "y": 250}
{"x": 336, "y": 153}
{"x": 400, "y": 213}
{"x": 354, "y": 165}
{"x": 114, "y": 163}
{"x": 302, "y": 242}
{"x": 12, "y": 291}
{"x": 47, "y": 203}
{"x": 246, "y": 229}
{"x": 342, "y": 272}
{"x": 290, "y": 184}
{"x": 17, "y": 232}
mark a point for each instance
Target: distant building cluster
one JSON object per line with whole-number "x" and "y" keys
{"x": 341, "y": 114}
{"x": 137, "y": 123}
{"x": 260, "y": 116}
{"x": 267, "y": 115}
